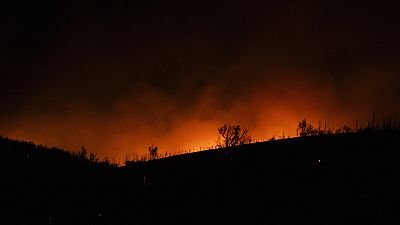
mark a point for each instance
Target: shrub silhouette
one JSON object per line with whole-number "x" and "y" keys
{"x": 307, "y": 129}
{"x": 344, "y": 129}
{"x": 82, "y": 154}
{"x": 93, "y": 158}
{"x": 153, "y": 152}
{"x": 233, "y": 135}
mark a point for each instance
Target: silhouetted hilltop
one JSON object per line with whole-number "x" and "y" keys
{"x": 41, "y": 182}
{"x": 327, "y": 179}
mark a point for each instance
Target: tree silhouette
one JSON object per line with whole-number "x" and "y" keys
{"x": 153, "y": 152}
{"x": 83, "y": 153}
{"x": 233, "y": 135}
{"x": 307, "y": 129}
{"x": 302, "y": 128}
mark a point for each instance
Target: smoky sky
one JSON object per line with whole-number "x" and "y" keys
{"x": 118, "y": 76}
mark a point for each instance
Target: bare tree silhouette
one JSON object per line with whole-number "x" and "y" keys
{"x": 233, "y": 135}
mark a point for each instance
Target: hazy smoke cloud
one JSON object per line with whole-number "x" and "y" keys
{"x": 120, "y": 77}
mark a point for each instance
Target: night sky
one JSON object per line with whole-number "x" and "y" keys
{"x": 118, "y": 76}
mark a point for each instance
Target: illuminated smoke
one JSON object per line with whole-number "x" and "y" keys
{"x": 118, "y": 80}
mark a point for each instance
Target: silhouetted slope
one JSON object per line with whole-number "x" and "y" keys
{"x": 343, "y": 178}
{"x": 332, "y": 179}
{"x": 40, "y": 184}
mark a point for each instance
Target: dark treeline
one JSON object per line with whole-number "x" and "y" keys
{"x": 382, "y": 122}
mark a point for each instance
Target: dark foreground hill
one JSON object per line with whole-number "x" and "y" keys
{"x": 334, "y": 179}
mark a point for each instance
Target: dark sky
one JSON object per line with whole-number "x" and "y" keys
{"x": 118, "y": 76}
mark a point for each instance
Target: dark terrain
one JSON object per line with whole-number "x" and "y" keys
{"x": 327, "y": 179}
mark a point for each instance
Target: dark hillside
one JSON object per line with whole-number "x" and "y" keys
{"x": 40, "y": 184}
{"x": 342, "y": 178}
{"x": 332, "y": 179}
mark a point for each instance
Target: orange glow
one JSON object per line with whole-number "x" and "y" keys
{"x": 134, "y": 123}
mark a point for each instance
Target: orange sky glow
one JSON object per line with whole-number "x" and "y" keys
{"x": 118, "y": 79}
{"x": 128, "y": 130}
